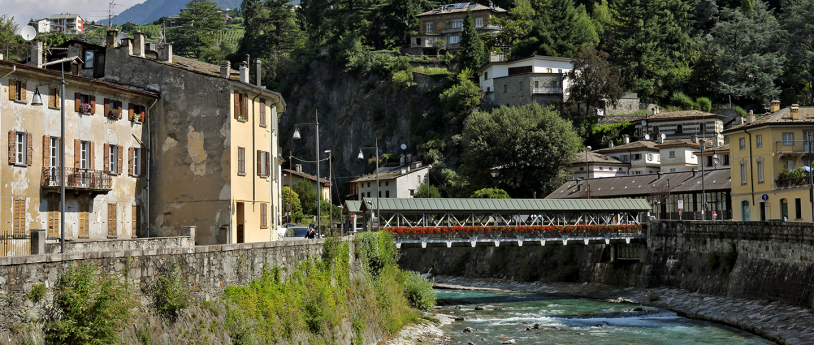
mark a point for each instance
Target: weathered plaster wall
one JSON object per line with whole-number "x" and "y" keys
{"x": 190, "y": 160}
{"x": 774, "y": 261}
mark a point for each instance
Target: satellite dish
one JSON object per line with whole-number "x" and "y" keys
{"x": 121, "y": 37}
{"x": 28, "y": 33}
{"x": 647, "y": 137}
{"x": 403, "y": 147}
{"x": 663, "y": 136}
{"x": 644, "y": 123}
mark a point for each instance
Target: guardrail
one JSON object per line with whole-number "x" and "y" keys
{"x": 547, "y": 90}
{"x": 77, "y": 179}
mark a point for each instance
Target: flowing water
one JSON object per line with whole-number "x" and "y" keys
{"x": 560, "y": 319}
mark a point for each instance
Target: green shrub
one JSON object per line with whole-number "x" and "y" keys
{"x": 704, "y": 104}
{"x": 729, "y": 258}
{"x": 490, "y": 193}
{"x": 653, "y": 296}
{"x": 418, "y": 291}
{"x": 172, "y": 293}
{"x": 36, "y": 293}
{"x": 402, "y": 79}
{"x": 740, "y": 111}
{"x": 683, "y": 101}
{"x": 714, "y": 259}
{"x": 94, "y": 306}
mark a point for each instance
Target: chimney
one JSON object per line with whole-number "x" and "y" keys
{"x": 402, "y": 159}
{"x": 244, "y": 72}
{"x": 775, "y": 106}
{"x": 659, "y": 139}
{"x": 626, "y": 139}
{"x": 695, "y": 171}
{"x": 298, "y": 167}
{"x": 610, "y": 144}
{"x": 694, "y": 139}
{"x": 225, "y": 69}
{"x": 138, "y": 44}
{"x": 795, "y": 112}
{"x": 1, "y": 56}
{"x": 257, "y": 76}
{"x": 165, "y": 53}
{"x": 751, "y": 116}
{"x": 409, "y": 158}
{"x": 127, "y": 43}
{"x": 36, "y": 53}
{"x": 110, "y": 39}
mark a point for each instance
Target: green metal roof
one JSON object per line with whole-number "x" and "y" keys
{"x": 419, "y": 205}
{"x": 352, "y": 206}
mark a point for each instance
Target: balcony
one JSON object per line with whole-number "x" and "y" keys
{"x": 794, "y": 146}
{"x": 77, "y": 179}
{"x": 547, "y": 90}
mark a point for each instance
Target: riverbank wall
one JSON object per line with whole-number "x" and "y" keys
{"x": 753, "y": 260}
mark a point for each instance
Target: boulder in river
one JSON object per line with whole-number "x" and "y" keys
{"x": 510, "y": 341}
{"x": 470, "y": 330}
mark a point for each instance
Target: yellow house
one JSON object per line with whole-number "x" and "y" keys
{"x": 763, "y": 151}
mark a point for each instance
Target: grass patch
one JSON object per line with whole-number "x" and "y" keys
{"x": 36, "y": 293}
{"x": 433, "y": 70}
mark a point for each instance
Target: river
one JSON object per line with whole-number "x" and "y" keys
{"x": 561, "y": 319}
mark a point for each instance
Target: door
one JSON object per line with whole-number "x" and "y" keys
{"x": 784, "y": 210}
{"x": 762, "y": 211}
{"x": 745, "y": 216}
{"x": 240, "y": 220}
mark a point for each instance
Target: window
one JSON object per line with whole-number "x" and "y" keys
{"x": 16, "y": 90}
{"x": 726, "y": 159}
{"x": 709, "y": 161}
{"x": 53, "y": 97}
{"x": 655, "y": 129}
{"x": 745, "y": 216}
{"x": 263, "y": 163}
{"x": 428, "y": 27}
{"x": 789, "y": 164}
{"x": 368, "y": 185}
{"x": 759, "y": 140}
{"x": 457, "y": 24}
{"x": 380, "y": 194}
{"x": 264, "y": 216}
{"x": 454, "y": 39}
{"x": 636, "y": 156}
{"x": 84, "y": 155}
{"x": 672, "y": 154}
{"x": 624, "y": 158}
{"x": 743, "y": 173}
{"x": 784, "y": 209}
{"x": 136, "y": 221}
{"x": 53, "y": 218}
{"x": 241, "y": 161}
{"x": 536, "y": 84}
{"x": 53, "y": 150}
{"x": 759, "y": 171}
{"x": 581, "y": 168}
{"x": 742, "y": 144}
{"x": 241, "y": 107}
{"x": 478, "y": 22}
{"x": 88, "y": 59}
{"x": 672, "y": 169}
{"x": 111, "y": 220}
{"x": 637, "y": 172}
{"x": 136, "y": 161}
{"x": 548, "y": 70}
{"x": 84, "y": 104}
{"x": 788, "y": 139}
{"x": 113, "y": 159}
{"x": 520, "y": 70}
{"x": 679, "y": 128}
{"x": 702, "y": 128}
{"x": 262, "y": 112}
{"x": 136, "y": 112}
{"x": 485, "y": 75}
{"x": 20, "y": 148}
{"x": 19, "y": 217}
{"x": 386, "y": 183}
{"x": 505, "y": 88}
{"x": 84, "y": 223}
{"x": 418, "y": 41}
{"x": 368, "y": 194}
{"x": 412, "y": 192}
{"x": 798, "y": 209}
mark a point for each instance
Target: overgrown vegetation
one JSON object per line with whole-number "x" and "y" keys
{"x": 36, "y": 293}
{"x": 172, "y": 292}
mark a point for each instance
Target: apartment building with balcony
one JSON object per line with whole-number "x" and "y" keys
{"x": 445, "y": 23}
{"x": 106, "y": 149}
{"x": 770, "y": 160}
{"x": 643, "y": 156}
{"x": 540, "y": 79}
{"x": 682, "y": 124}
{"x": 70, "y": 24}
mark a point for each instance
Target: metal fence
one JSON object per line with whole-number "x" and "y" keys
{"x": 77, "y": 179}
{"x": 11, "y": 244}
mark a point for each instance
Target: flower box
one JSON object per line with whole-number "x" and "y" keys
{"x": 85, "y": 108}
{"x": 594, "y": 230}
{"x": 114, "y": 114}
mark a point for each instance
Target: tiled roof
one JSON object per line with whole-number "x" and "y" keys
{"x": 56, "y": 74}
{"x": 460, "y": 7}
{"x": 677, "y": 142}
{"x": 422, "y": 205}
{"x": 304, "y": 175}
{"x": 683, "y": 114}
{"x": 644, "y": 185}
{"x": 636, "y": 145}
{"x": 594, "y": 157}
{"x": 390, "y": 174}
{"x": 782, "y": 116}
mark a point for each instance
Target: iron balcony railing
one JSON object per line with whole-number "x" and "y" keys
{"x": 77, "y": 179}
{"x": 800, "y": 146}
{"x": 789, "y": 182}
{"x": 547, "y": 90}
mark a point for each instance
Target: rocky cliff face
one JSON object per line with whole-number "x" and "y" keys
{"x": 352, "y": 112}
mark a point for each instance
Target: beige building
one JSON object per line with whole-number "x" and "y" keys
{"x": 643, "y": 156}
{"x": 596, "y": 165}
{"x": 106, "y": 150}
{"x": 446, "y": 24}
{"x": 293, "y": 177}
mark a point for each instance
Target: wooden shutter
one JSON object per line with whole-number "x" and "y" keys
{"x": 107, "y": 156}
{"x": 111, "y": 220}
{"x": 107, "y": 107}
{"x": 268, "y": 163}
{"x": 12, "y": 147}
{"x": 119, "y": 157}
{"x": 144, "y": 162}
{"x": 263, "y": 112}
{"x": 93, "y": 104}
{"x": 46, "y": 151}
{"x": 77, "y": 101}
{"x": 77, "y": 153}
{"x": 22, "y": 91}
{"x": 130, "y": 109}
{"x": 29, "y": 153}
{"x": 130, "y": 169}
{"x": 19, "y": 217}
{"x": 259, "y": 164}
{"x": 12, "y": 90}
{"x": 91, "y": 156}
{"x": 245, "y": 105}
{"x": 52, "y": 97}
{"x": 119, "y": 108}
{"x": 237, "y": 104}
{"x": 135, "y": 220}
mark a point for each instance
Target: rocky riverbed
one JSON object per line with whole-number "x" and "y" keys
{"x": 778, "y": 322}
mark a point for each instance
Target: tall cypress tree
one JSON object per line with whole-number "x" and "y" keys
{"x": 471, "y": 54}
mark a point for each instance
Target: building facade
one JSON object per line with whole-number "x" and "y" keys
{"x": 69, "y": 24}
{"x": 540, "y": 79}
{"x": 106, "y": 148}
{"x": 770, "y": 157}
{"x": 397, "y": 182}
{"x": 643, "y": 156}
{"x": 596, "y": 165}
{"x": 682, "y": 125}
{"x": 445, "y": 24}
{"x": 293, "y": 177}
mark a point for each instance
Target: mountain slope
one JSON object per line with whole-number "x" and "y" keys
{"x": 151, "y": 10}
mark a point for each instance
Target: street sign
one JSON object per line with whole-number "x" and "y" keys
{"x": 765, "y": 197}
{"x": 681, "y": 204}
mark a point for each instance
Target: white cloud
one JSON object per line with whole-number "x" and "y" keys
{"x": 91, "y": 10}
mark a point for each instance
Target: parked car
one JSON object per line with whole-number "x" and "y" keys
{"x": 294, "y": 233}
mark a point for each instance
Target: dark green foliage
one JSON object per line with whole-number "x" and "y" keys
{"x": 427, "y": 191}
{"x": 308, "y": 196}
{"x": 530, "y": 145}
{"x": 471, "y": 54}
{"x": 291, "y": 202}
{"x": 704, "y": 104}
{"x": 36, "y": 293}
{"x": 490, "y": 193}
{"x": 740, "y": 110}
{"x": 557, "y": 28}
{"x": 270, "y": 27}
{"x": 198, "y": 23}
{"x": 799, "y": 75}
{"x": 460, "y": 99}
{"x": 683, "y": 101}
{"x": 596, "y": 81}
{"x": 418, "y": 291}
{"x": 171, "y": 292}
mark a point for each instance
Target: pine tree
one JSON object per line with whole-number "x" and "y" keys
{"x": 199, "y": 23}
{"x": 471, "y": 54}
{"x": 559, "y": 29}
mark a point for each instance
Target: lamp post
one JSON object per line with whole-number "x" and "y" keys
{"x": 330, "y": 195}
{"x": 587, "y": 173}
{"x": 319, "y": 188}
{"x": 703, "y": 190}
{"x": 362, "y": 156}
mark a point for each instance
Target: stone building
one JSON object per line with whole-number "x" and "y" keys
{"x": 106, "y": 145}
{"x": 540, "y": 79}
{"x": 293, "y": 177}
{"x": 683, "y": 124}
{"x": 446, "y": 24}
{"x": 395, "y": 182}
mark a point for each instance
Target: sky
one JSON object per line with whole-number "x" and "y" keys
{"x": 23, "y": 10}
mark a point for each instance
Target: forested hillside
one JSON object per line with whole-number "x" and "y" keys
{"x": 151, "y": 10}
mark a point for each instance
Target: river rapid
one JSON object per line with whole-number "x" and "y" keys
{"x": 518, "y": 318}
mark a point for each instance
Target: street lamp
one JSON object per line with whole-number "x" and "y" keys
{"x": 362, "y": 156}
{"x": 587, "y": 173}
{"x": 330, "y": 194}
{"x": 319, "y": 187}
{"x": 702, "y": 142}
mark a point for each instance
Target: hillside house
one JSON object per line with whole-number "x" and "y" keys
{"x": 539, "y": 79}
{"x": 67, "y": 23}
{"x": 445, "y": 23}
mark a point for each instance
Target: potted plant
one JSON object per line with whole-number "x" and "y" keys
{"x": 240, "y": 117}
{"x": 114, "y": 114}
{"x": 85, "y": 108}
{"x": 138, "y": 117}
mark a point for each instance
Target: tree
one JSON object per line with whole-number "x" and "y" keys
{"x": 427, "y": 191}
{"x": 799, "y": 75}
{"x": 529, "y": 146}
{"x": 291, "y": 200}
{"x": 490, "y": 193}
{"x": 199, "y": 23}
{"x": 558, "y": 29}
{"x": 8, "y": 30}
{"x": 461, "y": 98}
{"x": 270, "y": 26}
{"x": 752, "y": 55}
{"x": 593, "y": 79}
{"x": 471, "y": 53}
{"x": 308, "y": 196}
